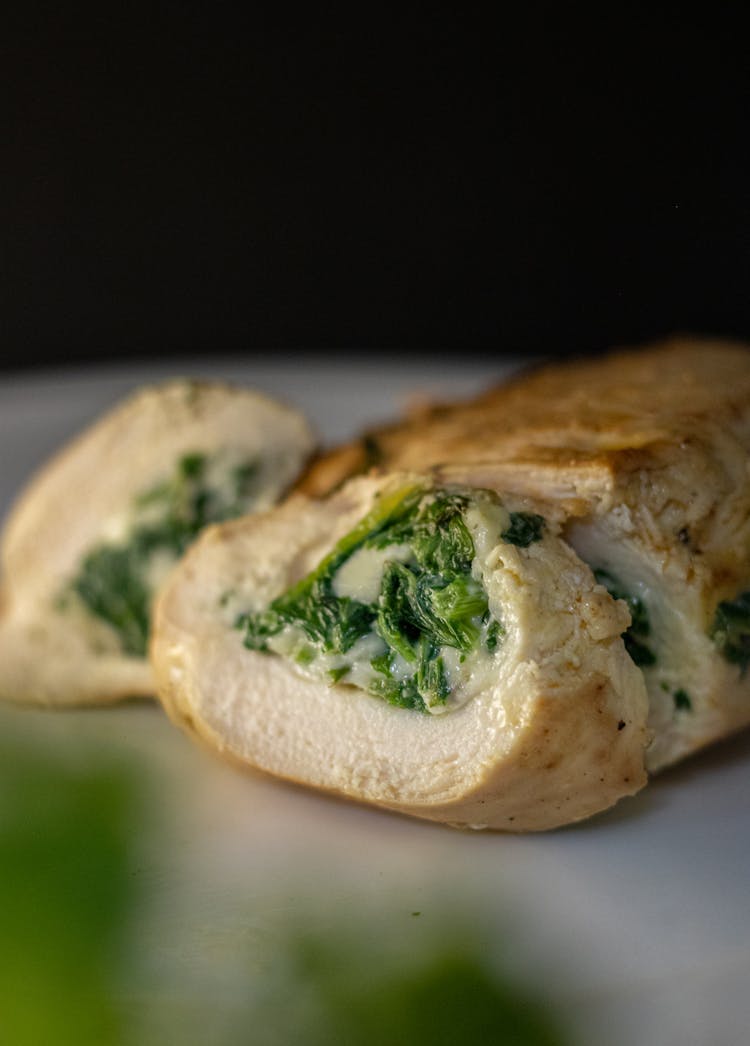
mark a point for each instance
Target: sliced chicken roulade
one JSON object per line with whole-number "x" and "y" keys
{"x": 431, "y": 648}
{"x": 94, "y": 534}
{"x": 646, "y": 454}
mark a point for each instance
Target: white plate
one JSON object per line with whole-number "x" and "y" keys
{"x": 633, "y": 928}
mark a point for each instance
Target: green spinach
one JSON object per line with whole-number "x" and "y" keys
{"x": 730, "y": 630}
{"x": 682, "y": 701}
{"x": 525, "y": 528}
{"x": 113, "y": 579}
{"x": 427, "y": 603}
{"x": 639, "y": 630}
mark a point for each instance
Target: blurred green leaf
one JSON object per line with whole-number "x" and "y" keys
{"x": 65, "y": 895}
{"x": 333, "y": 993}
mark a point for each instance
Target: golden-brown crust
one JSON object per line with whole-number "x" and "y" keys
{"x": 327, "y": 471}
{"x": 594, "y": 414}
{"x": 663, "y": 430}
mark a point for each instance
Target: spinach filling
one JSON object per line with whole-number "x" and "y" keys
{"x": 682, "y": 700}
{"x": 730, "y": 630}
{"x": 113, "y": 579}
{"x": 640, "y": 627}
{"x": 427, "y": 606}
{"x": 525, "y": 528}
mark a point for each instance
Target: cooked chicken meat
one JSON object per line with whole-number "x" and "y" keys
{"x": 434, "y": 649}
{"x": 647, "y": 455}
{"x": 96, "y": 532}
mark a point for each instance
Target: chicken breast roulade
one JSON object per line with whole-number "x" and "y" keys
{"x": 646, "y": 454}
{"x": 433, "y": 648}
{"x": 97, "y": 530}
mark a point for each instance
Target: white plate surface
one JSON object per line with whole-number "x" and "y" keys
{"x": 632, "y": 927}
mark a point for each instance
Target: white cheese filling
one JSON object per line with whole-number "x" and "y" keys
{"x": 361, "y": 575}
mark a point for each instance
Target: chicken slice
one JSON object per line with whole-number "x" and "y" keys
{"x": 98, "y": 529}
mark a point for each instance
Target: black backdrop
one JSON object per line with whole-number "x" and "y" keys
{"x": 183, "y": 183}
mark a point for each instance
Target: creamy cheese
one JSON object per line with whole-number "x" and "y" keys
{"x": 361, "y": 575}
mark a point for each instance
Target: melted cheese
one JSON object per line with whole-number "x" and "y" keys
{"x": 361, "y": 575}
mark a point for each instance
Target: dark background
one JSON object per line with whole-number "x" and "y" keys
{"x": 179, "y": 182}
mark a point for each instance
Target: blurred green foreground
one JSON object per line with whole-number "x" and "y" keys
{"x": 80, "y": 922}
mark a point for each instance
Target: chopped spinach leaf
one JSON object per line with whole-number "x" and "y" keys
{"x": 495, "y": 633}
{"x": 640, "y": 652}
{"x": 387, "y": 512}
{"x": 460, "y": 600}
{"x": 432, "y": 684}
{"x": 424, "y": 605}
{"x": 639, "y": 629}
{"x": 113, "y": 579}
{"x": 382, "y": 663}
{"x": 730, "y": 630}
{"x": 402, "y": 693}
{"x": 257, "y": 628}
{"x": 682, "y": 700}
{"x": 395, "y": 620}
{"x": 160, "y": 493}
{"x": 245, "y": 476}
{"x": 111, "y": 585}
{"x": 411, "y": 606}
{"x": 192, "y": 466}
{"x": 441, "y": 540}
{"x": 640, "y": 623}
{"x": 354, "y": 621}
{"x": 525, "y": 528}
{"x": 304, "y": 655}
{"x": 335, "y": 624}
{"x": 437, "y": 615}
